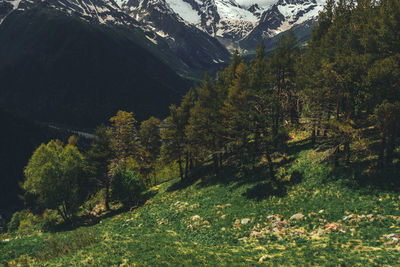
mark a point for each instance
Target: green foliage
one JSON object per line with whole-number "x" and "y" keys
{"x": 351, "y": 68}
{"x": 127, "y": 187}
{"x": 54, "y": 176}
{"x": 123, "y": 135}
{"x": 26, "y": 221}
{"x": 19, "y": 220}
{"x": 164, "y": 172}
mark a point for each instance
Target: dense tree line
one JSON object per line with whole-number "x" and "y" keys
{"x": 344, "y": 83}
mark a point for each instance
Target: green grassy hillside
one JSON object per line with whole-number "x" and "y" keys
{"x": 232, "y": 222}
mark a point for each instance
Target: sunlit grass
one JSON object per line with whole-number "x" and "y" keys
{"x": 201, "y": 224}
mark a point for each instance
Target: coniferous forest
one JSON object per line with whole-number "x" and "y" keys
{"x": 297, "y": 147}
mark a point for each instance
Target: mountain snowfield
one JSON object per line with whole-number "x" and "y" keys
{"x": 234, "y": 23}
{"x": 234, "y": 20}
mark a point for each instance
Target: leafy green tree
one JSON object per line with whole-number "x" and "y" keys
{"x": 54, "y": 175}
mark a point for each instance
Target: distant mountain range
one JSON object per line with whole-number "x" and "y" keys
{"x": 238, "y": 24}
{"x": 77, "y": 61}
{"x": 190, "y": 27}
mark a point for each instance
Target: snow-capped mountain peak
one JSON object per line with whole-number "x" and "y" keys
{"x": 234, "y": 20}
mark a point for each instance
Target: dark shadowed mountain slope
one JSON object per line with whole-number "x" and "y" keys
{"x": 59, "y": 68}
{"x": 18, "y": 138}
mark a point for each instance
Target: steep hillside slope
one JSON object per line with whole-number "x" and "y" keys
{"x": 187, "y": 49}
{"x": 18, "y": 138}
{"x": 194, "y": 47}
{"x": 59, "y": 68}
{"x": 233, "y": 222}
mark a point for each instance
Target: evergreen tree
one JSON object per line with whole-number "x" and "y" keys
{"x": 236, "y": 108}
{"x": 123, "y": 136}
{"x": 282, "y": 68}
{"x": 99, "y": 159}
{"x": 203, "y": 127}
{"x": 150, "y": 144}
{"x": 261, "y": 103}
{"x": 174, "y": 140}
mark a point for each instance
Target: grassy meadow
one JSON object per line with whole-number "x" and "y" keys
{"x": 313, "y": 217}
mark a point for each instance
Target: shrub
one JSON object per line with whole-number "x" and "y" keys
{"x": 22, "y": 220}
{"x": 127, "y": 187}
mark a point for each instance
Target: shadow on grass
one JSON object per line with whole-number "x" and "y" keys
{"x": 263, "y": 186}
{"x": 370, "y": 179}
{"x": 264, "y": 190}
{"x": 90, "y": 220}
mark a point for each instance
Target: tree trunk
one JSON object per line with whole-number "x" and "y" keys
{"x": 390, "y": 145}
{"x": 313, "y": 136}
{"x": 215, "y": 159}
{"x": 337, "y": 108}
{"x": 187, "y": 165}
{"x": 180, "y": 168}
{"x": 336, "y": 157}
{"x": 381, "y": 159}
{"x": 347, "y": 152}
{"x": 107, "y": 197}
{"x": 61, "y": 214}
{"x": 190, "y": 162}
{"x": 270, "y": 166}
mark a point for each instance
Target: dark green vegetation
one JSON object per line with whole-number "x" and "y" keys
{"x": 292, "y": 158}
{"x": 61, "y": 69}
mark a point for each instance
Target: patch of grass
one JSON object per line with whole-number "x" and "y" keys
{"x": 62, "y": 244}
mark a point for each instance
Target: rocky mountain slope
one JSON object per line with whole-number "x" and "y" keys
{"x": 236, "y": 23}
{"x": 189, "y": 50}
{"x": 189, "y": 28}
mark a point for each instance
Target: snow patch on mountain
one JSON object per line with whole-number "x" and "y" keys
{"x": 230, "y": 10}
{"x": 15, "y": 3}
{"x": 7, "y": 7}
{"x": 264, "y": 4}
{"x": 185, "y": 11}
